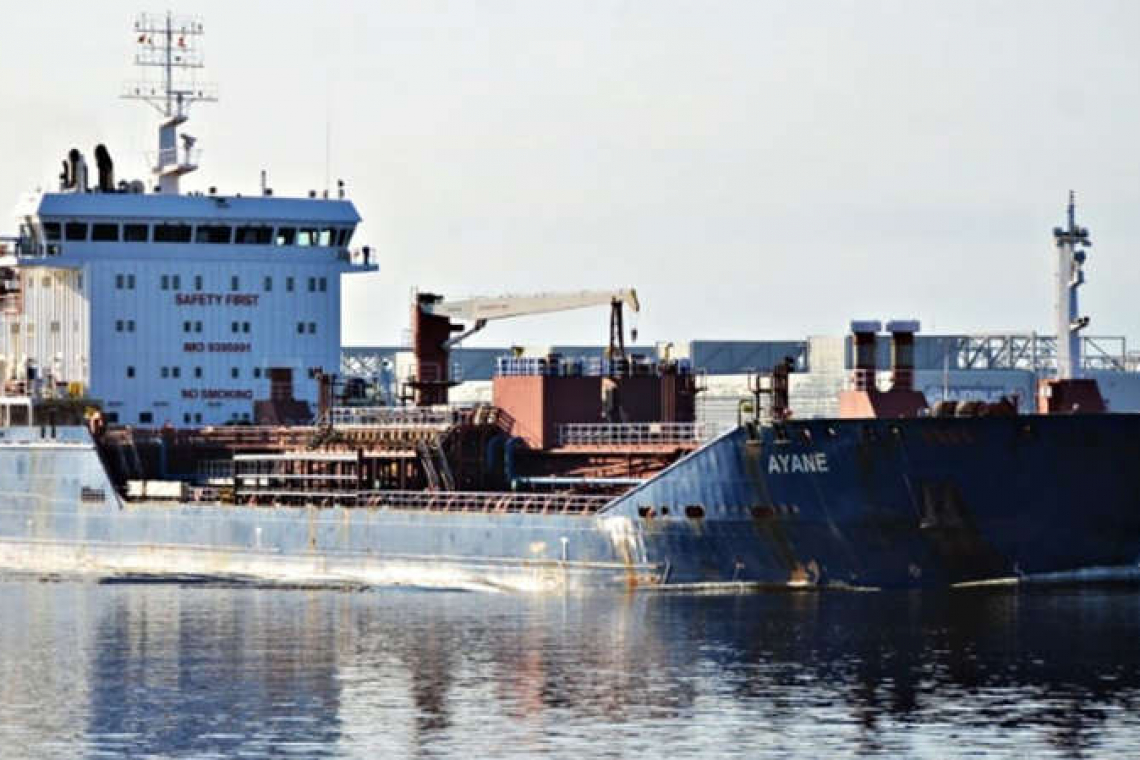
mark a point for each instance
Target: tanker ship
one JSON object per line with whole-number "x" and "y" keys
{"x": 171, "y": 409}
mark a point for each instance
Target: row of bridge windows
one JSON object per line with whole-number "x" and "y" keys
{"x": 208, "y": 234}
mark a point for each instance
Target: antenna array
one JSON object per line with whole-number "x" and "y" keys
{"x": 170, "y": 43}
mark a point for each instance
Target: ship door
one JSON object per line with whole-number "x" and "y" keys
{"x": 280, "y": 383}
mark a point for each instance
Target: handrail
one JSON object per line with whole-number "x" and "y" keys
{"x": 631, "y": 433}
{"x": 268, "y": 490}
{"x": 485, "y": 501}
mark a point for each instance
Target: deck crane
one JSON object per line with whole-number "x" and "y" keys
{"x": 439, "y": 324}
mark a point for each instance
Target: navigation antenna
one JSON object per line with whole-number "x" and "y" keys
{"x": 1069, "y": 275}
{"x": 170, "y": 43}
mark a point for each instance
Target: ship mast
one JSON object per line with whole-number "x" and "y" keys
{"x": 170, "y": 43}
{"x": 1069, "y": 276}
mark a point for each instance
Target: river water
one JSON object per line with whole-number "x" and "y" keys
{"x": 187, "y": 670}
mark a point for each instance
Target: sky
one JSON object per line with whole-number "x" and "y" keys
{"x": 757, "y": 170}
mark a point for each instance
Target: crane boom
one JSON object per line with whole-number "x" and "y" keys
{"x": 485, "y": 309}
{"x": 439, "y": 325}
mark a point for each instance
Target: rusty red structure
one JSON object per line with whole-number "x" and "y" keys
{"x": 541, "y": 396}
{"x": 430, "y": 336}
{"x": 865, "y": 399}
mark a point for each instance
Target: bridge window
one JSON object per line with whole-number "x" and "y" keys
{"x": 307, "y": 236}
{"x": 105, "y": 233}
{"x": 52, "y": 231}
{"x": 286, "y": 236}
{"x": 289, "y": 284}
{"x": 213, "y": 233}
{"x": 75, "y": 231}
{"x": 254, "y": 235}
{"x": 135, "y": 233}
{"x": 325, "y": 238}
{"x": 172, "y": 233}
{"x": 324, "y": 284}
{"x": 235, "y": 283}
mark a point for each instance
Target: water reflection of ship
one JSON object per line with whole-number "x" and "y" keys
{"x": 884, "y": 662}
{"x": 1053, "y": 665}
{"x": 213, "y": 670}
{"x": 190, "y": 670}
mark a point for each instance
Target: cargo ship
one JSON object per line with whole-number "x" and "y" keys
{"x": 171, "y": 409}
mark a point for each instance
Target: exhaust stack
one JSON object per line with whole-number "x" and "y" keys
{"x": 902, "y": 353}
{"x": 864, "y": 400}
{"x": 865, "y": 334}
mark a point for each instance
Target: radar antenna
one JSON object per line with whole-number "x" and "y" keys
{"x": 170, "y": 43}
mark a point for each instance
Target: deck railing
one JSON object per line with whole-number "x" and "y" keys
{"x": 388, "y": 416}
{"x": 328, "y": 491}
{"x": 631, "y": 433}
{"x": 484, "y": 501}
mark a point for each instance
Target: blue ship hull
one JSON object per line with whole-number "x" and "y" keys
{"x": 866, "y": 503}
{"x": 901, "y": 503}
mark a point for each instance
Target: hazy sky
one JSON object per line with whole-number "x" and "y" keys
{"x": 755, "y": 169}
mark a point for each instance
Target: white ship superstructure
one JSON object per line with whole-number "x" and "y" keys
{"x": 169, "y": 307}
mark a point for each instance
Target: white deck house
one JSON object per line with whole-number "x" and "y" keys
{"x": 170, "y": 307}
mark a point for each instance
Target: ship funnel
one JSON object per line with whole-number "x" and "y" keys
{"x": 76, "y": 171}
{"x": 71, "y": 169}
{"x": 106, "y": 169}
{"x": 865, "y": 332}
{"x": 902, "y": 353}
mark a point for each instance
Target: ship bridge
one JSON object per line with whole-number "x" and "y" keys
{"x": 168, "y": 307}
{"x": 68, "y": 229}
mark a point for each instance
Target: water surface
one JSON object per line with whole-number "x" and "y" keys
{"x": 166, "y": 670}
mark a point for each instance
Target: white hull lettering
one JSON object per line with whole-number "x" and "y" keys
{"x": 783, "y": 464}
